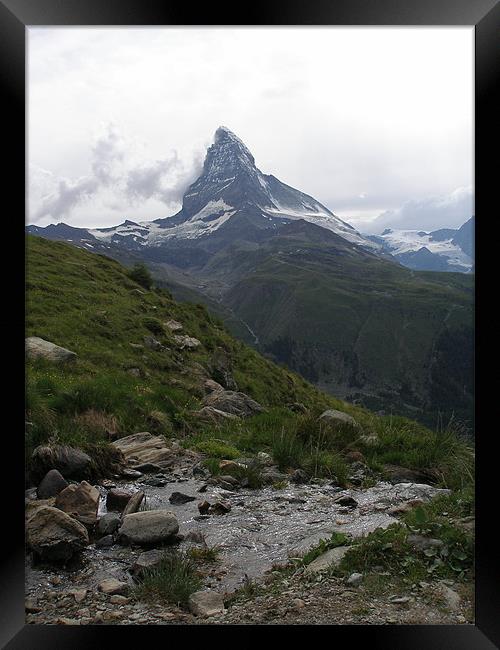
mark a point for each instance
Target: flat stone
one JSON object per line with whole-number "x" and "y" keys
{"x": 148, "y": 527}
{"x": 355, "y": 579}
{"x": 206, "y": 603}
{"x": 147, "y": 560}
{"x": 331, "y": 558}
{"x": 37, "y": 348}
{"x": 178, "y": 498}
{"x": 333, "y": 416}
{"x": 144, "y": 448}
{"x": 134, "y": 503}
{"x": 111, "y": 587}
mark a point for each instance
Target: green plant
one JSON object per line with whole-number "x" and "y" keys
{"x": 173, "y": 580}
{"x": 139, "y": 273}
{"x": 337, "y": 539}
{"x": 217, "y": 449}
{"x": 204, "y": 554}
{"x": 154, "y": 325}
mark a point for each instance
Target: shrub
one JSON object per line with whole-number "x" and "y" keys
{"x": 217, "y": 449}
{"x": 140, "y": 274}
{"x": 287, "y": 450}
{"x": 172, "y": 581}
{"x": 153, "y": 325}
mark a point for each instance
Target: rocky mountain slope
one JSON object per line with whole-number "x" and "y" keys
{"x": 304, "y": 288}
{"x": 176, "y": 476}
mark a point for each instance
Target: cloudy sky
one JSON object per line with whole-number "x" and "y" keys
{"x": 376, "y": 123}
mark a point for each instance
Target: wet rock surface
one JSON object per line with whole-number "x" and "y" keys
{"x": 255, "y": 531}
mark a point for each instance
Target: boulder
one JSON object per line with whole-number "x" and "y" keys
{"x": 134, "y": 503}
{"x": 338, "y": 417}
{"x": 331, "y": 558}
{"x": 211, "y": 414}
{"x": 173, "y": 325}
{"x": 355, "y": 579}
{"x": 117, "y": 499}
{"x": 210, "y": 386}
{"x": 54, "y": 536}
{"x": 219, "y": 508}
{"x": 144, "y": 448}
{"x": 206, "y": 603}
{"x": 37, "y": 348}
{"x": 186, "y": 342}
{"x": 105, "y": 542}
{"x": 52, "y": 483}
{"x": 109, "y": 523}
{"x": 178, "y": 498}
{"x": 299, "y": 476}
{"x": 71, "y": 462}
{"x": 147, "y": 560}
{"x": 233, "y": 402}
{"x": 111, "y": 587}
{"x": 396, "y": 474}
{"x": 346, "y": 501}
{"x": 81, "y": 501}
{"x": 148, "y": 527}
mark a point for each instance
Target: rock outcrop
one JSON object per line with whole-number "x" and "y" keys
{"x": 37, "y": 348}
{"x": 233, "y": 402}
{"x": 54, "y": 536}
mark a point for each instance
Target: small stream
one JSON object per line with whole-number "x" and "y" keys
{"x": 263, "y": 528}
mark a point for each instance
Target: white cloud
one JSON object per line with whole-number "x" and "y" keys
{"x": 446, "y": 211}
{"x": 336, "y": 112}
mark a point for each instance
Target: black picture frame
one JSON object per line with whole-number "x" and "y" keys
{"x": 15, "y": 17}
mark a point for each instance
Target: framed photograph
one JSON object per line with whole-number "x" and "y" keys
{"x": 248, "y": 297}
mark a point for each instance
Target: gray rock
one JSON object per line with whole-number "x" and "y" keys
{"x": 331, "y": 558}
{"x": 71, "y": 462}
{"x": 105, "y": 542}
{"x": 396, "y": 474}
{"x": 422, "y": 543}
{"x": 211, "y": 414}
{"x": 153, "y": 344}
{"x": 355, "y": 579}
{"x": 233, "y": 402}
{"x": 451, "y": 598}
{"x": 37, "y": 348}
{"x": 206, "y": 603}
{"x": 178, "y": 498}
{"x": 52, "y": 483}
{"x": 333, "y": 416}
{"x": 186, "y": 342}
{"x": 346, "y": 501}
{"x": 147, "y": 560}
{"x": 147, "y": 468}
{"x": 117, "y": 499}
{"x": 299, "y": 476}
{"x": 80, "y": 500}
{"x": 148, "y": 527}
{"x": 54, "y": 536}
{"x": 134, "y": 503}
{"x": 109, "y": 523}
{"x": 111, "y": 587}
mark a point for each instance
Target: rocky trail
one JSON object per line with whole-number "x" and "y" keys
{"x": 255, "y": 531}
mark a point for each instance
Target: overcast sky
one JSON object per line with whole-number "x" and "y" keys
{"x": 376, "y": 123}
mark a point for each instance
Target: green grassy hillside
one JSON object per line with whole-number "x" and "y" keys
{"x": 118, "y": 385}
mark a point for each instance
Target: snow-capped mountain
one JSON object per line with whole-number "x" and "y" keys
{"x": 230, "y": 185}
{"x": 447, "y": 249}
